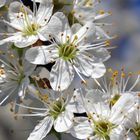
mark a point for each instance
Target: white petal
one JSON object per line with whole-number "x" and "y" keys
{"x": 84, "y": 14}
{"x": 76, "y": 103}
{"x": 131, "y": 136}
{"x": 54, "y": 26}
{"x": 117, "y": 134}
{"x": 64, "y": 121}
{"x": 98, "y": 70}
{"x": 122, "y": 106}
{"x": 23, "y": 86}
{"x": 28, "y": 68}
{"x": 15, "y": 12}
{"x": 102, "y": 33}
{"x": 12, "y": 38}
{"x": 82, "y": 131}
{"x": 42, "y": 129}
{"x": 94, "y": 95}
{"x": 99, "y": 109}
{"x": 33, "y": 91}
{"x": 41, "y": 54}
{"x": 66, "y": 30}
{"x": 9, "y": 94}
{"x": 75, "y": 27}
{"x": 44, "y": 73}
{"x": 44, "y": 12}
{"x": 100, "y": 54}
{"x": 37, "y": 1}
{"x": 84, "y": 64}
{"x": 86, "y": 33}
{"x": 25, "y": 41}
{"x": 61, "y": 75}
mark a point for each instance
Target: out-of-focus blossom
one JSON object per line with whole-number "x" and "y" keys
{"x": 86, "y": 10}
{"x": 14, "y": 78}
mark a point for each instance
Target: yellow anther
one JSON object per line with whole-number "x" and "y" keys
{"x": 101, "y": 12}
{"x": 2, "y": 72}
{"x": 110, "y": 70}
{"x": 123, "y": 75}
{"x": 107, "y": 43}
{"x": 12, "y": 56}
{"x": 43, "y": 97}
{"x": 1, "y": 52}
{"x": 89, "y": 116}
{"x": 110, "y": 12}
{"x": 115, "y": 73}
{"x": 83, "y": 82}
{"x": 130, "y": 74}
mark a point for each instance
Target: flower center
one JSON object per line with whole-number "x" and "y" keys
{"x": 103, "y": 129}
{"x": 67, "y": 51}
{"x": 56, "y": 108}
{"x": 2, "y": 72}
{"x": 30, "y": 27}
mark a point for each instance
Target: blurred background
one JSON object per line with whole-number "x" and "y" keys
{"x": 126, "y": 19}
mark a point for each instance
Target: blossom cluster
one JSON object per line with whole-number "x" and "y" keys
{"x": 53, "y": 54}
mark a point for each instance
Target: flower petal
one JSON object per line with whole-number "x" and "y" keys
{"x": 76, "y": 27}
{"x": 83, "y": 130}
{"x": 61, "y": 75}
{"x": 98, "y": 70}
{"x": 122, "y": 106}
{"x": 65, "y": 31}
{"x": 94, "y": 95}
{"x": 28, "y": 68}
{"x": 44, "y": 12}
{"x": 83, "y": 14}
{"x": 102, "y": 33}
{"x": 53, "y": 27}
{"x": 9, "y": 94}
{"x": 42, "y": 129}
{"x": 13, "y": 38}
{"x": 100, "y": 54}
{"x": 64, "y": 121}
{"x": 41, "y": 54}
{"x": 23, "y": 86}
{"x": 15, "y": 14}
{"x": 25, "y": 41}
{"x": 84, "y": 64}
{"x": 76, "y": 104}
{"x": 86, "y": 33}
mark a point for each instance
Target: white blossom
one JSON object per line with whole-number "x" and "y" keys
{"x": 88, "y": 10}
{"x": 73, "y": 51}
{"x": 132, "y": 122}
{"x": 55, "y": 113}
{"x": 14, "y": 78}
{"x": 103, "y": 122}
{"x": 31, "y": 26}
